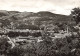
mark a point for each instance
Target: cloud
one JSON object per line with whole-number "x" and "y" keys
{"x": 56, "y": 6}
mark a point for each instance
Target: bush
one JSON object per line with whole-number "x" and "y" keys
{"x": 4, "y": 45}
{"x": 16, "y": 51}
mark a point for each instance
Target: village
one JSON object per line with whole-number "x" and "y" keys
{"x": 39, "y": 34}
{"x": 35, "y": 35}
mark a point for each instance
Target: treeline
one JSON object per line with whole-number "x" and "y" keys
{"x": 24, "y": 34}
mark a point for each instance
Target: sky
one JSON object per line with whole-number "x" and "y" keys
{"x": 56, "y": 6}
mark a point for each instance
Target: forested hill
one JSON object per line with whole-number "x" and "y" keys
{"x": 16, "y": 18}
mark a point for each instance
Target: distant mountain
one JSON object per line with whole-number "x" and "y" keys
{"x": 3, "y": 13}
{"x": 31, "y": 18}
{"x": 45, "y": 16}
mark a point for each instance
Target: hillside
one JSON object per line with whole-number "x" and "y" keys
{"x": 15, "y": 18}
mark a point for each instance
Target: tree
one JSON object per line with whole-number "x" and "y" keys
{"x": 4, "y": 45}
{"x": 30, "y": 49}
{"x": 76, "y": 14}
{"x": 45, "y": 47}
{"x": 16, "y": 51}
